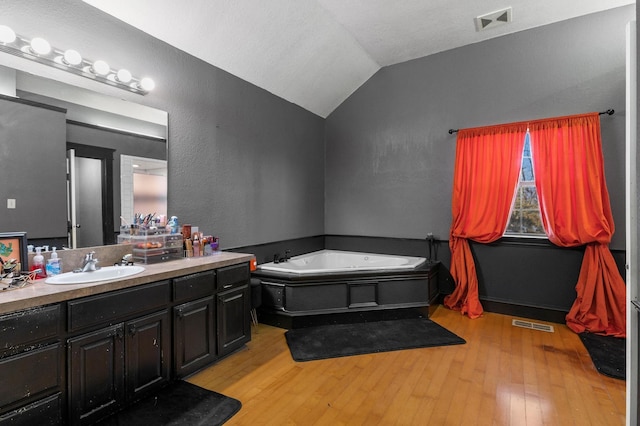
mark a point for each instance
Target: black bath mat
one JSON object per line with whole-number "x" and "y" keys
{"x": 180, "y": 403}
{"x": 337, "y": 340}
{"x": 607, "y": 353}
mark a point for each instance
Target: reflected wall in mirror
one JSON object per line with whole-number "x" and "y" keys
{"x": 143, "y": 187}
{"x": 39, "y": 120}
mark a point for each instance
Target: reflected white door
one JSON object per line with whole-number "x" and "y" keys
{"x": 89, "y": 202}
{"x": 85, "y": 201}
{"x": 72, "y": 222}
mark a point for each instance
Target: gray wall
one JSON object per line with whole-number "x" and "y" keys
{"x": 244, "y": 165}
{"x": 389, "y": 161}
{"x": 250, "y": 167}
{"x": 32, "y": 169}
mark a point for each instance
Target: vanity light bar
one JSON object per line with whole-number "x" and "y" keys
{"x": 39, "y": 50}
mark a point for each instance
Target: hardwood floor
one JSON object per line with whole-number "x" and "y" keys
{"x": 503, "y": 375}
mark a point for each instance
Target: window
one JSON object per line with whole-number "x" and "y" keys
{"x": 525, "y": 219}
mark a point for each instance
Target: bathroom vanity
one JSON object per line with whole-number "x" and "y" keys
{"x": 72, "y": 354}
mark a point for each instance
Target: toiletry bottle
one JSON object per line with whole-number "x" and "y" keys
{"x": 54, "y": 266}
{"x": 196, "y": 245}
{"x": 173, "y": 224}
{"x": 206, "y": 244}
{"x": 38, "y": 264}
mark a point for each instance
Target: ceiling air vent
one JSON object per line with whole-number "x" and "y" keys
{"x": 493, "y": 19}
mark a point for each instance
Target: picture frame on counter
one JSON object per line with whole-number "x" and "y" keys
{"x": 13, "y": 245}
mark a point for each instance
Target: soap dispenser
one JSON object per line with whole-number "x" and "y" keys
{"x": 38, "y": 264}
{"x": 54, "y": 266}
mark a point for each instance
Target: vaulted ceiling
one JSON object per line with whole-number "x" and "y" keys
{"x": 316, "y": 53}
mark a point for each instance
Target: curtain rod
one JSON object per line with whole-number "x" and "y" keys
{"x": 608, "y": 112}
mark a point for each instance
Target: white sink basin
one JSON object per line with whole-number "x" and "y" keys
{"x": 102, "y": 274}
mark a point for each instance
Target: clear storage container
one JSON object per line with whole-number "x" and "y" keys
{"x": 153, "y": 248}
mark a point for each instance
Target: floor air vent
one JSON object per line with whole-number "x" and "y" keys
{"x": 532, "y": 325}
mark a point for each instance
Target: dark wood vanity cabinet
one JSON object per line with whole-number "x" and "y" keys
{"x": 31, "y": 367}
{"x": 119, "y": 362}
{"x": 214, "y": 319}
{"x": 194, "y": 322}
{"x": 78, "y": 361}
{"x": 233, "y": 304}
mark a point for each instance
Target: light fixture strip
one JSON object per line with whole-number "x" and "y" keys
{"x": 21, "y": 47}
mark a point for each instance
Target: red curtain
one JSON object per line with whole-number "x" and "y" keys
{"x": 487, "y": 167}
{"x": 575, "y": 208}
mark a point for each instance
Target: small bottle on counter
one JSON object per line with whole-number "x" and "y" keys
{"x": 172, "y": 226}
{"x": 206, "y": 244}
{"x": 54, "y": 265}
{"x": 38, "y": 264}
{"x": 188, "y": 248}
{"x": 196, "y": 245}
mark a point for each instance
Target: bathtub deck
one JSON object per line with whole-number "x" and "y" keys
{"x": 293, "y": 301}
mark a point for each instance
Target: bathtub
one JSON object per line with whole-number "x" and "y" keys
{"x": 329, "y": 285}
{"x": 333, "y": 261}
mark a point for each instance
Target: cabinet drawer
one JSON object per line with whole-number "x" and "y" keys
{"x": 30, "y": 375}
{"x": 112, "y": 307}
{"x": 194, "y": 286}
{"x": 46, "y": 412}
{"x": 232, "y": 276}
{"x": 27, "y": 327}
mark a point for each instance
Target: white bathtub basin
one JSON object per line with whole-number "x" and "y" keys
{"x": 331, "y": 261}
{"x": 102, "y": 274}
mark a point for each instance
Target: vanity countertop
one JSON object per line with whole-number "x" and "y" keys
{"x": 39, "y": 293}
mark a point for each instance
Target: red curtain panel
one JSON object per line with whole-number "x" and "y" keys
{"x": 487, "y": 167}
{"x": 575, "y": 208}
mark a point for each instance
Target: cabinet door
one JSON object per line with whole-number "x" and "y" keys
{"x": 96, "y": 374}
{"x": 234, "y": 326}
{"x": 147, "y": 353}
{"x": 194, "y": 335}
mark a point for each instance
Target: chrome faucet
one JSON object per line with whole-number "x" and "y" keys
{"x": 127, "y": 259}
{"x": 89, "y": 263}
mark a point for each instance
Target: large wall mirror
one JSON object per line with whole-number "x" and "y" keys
{"x": 75, "y": 164}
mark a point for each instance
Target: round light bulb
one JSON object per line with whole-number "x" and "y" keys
{"x": 147, "y": 84}
{"x": 72, "y": 57}
{"x": 100, "y": 67}
{"x": 7, "y": 35}
{"x": 123, "y": 76}
{"x": 40, "y": 46}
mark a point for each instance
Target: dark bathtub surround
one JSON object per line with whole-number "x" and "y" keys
{"x": 531, "y": 279}
{"x": 292, "y": 300}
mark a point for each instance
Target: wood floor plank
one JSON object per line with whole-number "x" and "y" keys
{"x": 503, "y": 375}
